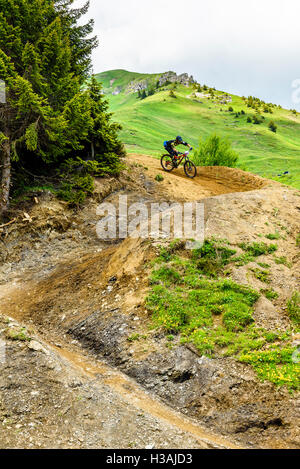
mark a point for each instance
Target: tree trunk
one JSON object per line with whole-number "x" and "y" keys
{"x": 92, "y": 150}
{"x": 5, "y": 180}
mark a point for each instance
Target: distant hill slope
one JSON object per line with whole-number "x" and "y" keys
{"x": 192, "y": 114}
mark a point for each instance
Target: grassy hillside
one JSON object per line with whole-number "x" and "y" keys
{"x": 148, "y": 122}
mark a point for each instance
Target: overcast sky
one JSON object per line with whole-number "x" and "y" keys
{"x": 247, "y": 47}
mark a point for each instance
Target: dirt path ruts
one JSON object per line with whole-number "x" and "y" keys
{"x": 210, "y": 181}
{"x": 176, "y": 186}
{"x": 143, "y": 401}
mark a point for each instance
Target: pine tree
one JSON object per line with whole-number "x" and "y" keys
{"x": 26, "y": 121}
{"x": 103, "y": 133}
{"x": 45, "y": 58}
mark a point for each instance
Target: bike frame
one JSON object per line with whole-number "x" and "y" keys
{"x": 183, "y": 156}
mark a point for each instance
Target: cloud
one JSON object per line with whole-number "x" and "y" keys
{"x": 244, "y": 47}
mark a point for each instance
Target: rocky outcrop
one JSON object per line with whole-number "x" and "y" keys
{"x": 165, "y": 78}
{"x": 224, "y": 99}
{"x": 117, "y": 90}
{"x": 172, "y": 77}
{"x": 135, "y": 86}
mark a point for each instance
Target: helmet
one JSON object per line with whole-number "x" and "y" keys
{"x": 179, "y": 139}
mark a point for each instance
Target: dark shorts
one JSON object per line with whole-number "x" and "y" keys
{"x": 170, "y": 150}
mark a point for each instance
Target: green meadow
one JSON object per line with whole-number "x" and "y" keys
{"x": 148, "y": 122}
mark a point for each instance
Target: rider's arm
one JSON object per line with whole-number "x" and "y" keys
{"x": 187, "y": 144}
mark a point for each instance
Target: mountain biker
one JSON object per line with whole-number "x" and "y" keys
{"x": 170, "y": 144}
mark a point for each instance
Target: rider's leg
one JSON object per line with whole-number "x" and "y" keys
{"x": 173, "y": 153}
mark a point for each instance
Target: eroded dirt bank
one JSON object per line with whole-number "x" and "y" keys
{"x": 87, "y": 297}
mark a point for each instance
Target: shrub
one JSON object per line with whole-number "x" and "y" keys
{"x": 272, "y": 126}
{"x": 237, "y": 319}
{"x": 17, "y": 334}
{"x": 293, "y": 307}
{"x": 77, "y": 180}
{"x": 258, "y": 249}
{"x": 262, "y": 275}
{"x": 159, "y": 178}
{"x": 249, "y": 120}
{"x": 215, "y": 151}
{"x": 269, "y": 293}
{"x": 257, "y": 119}
{"x": 230, "y": 109}
{"x": 273, "y": 235}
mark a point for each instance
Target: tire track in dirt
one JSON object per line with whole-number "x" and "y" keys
{"x": 210, "y": 181}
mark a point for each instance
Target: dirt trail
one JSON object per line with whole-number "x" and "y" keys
{"x": 210, "y": 181}
{"x": 143, "y": 401}
{"x": 55, "y": 276}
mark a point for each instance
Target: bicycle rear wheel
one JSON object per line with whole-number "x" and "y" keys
{"x": 190, "y": 169}
{"x": 167, "y": 163}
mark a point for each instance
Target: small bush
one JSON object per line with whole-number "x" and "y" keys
{"x": 273, "y": 235}
{"x": 258, "y": 249}
{"x": 269, "y": 293}
{"x": 249, "y": 120}
{"x": 282, "y": 260}
{"x": 272, "y": 126}
{"x": 215, "y": 151}
{"x": 77, "y": 176}
{"x": 293, "y": 307}
{"x": 262, "y": 275}
{"x": 159, "y": 178}
{"x": 243, "y": 259}
{"x": 257, "y": 119}
{"x": 18, "y": 334}
{"x": 263, "y": 265}
{"x": 135, "y": 337}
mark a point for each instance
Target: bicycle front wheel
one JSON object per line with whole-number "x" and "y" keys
{"x": 190, "y": 169}
{"x": 167, "y": 163}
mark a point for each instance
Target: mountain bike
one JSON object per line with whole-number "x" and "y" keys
{"x": 168, "y": 164}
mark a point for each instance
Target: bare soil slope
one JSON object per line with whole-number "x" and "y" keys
{"x": 87, "y": 297}
{"x": 210, "y": 180}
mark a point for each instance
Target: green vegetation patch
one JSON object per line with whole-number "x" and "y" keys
{"x": 258, "y": 249}
{"x": 282, "y": 260}
{"x": 293, "y": 308}
{"x": 273, "y": 235}
{"x": 275, "y": 365}
{"x": 269, "y": 293}
{"x": 20, "y": 334}
{"x": 243, "y": 259}
{"x": 192, "y": 297}
{"x": 262, "y": 275}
